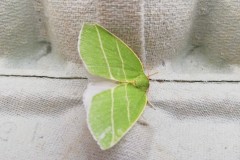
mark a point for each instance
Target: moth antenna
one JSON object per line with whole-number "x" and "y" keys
{"x": 152, "y": 74}
{"x": 146, "y": 67}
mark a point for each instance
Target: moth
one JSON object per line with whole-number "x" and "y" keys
{"x": 112, "y": 112}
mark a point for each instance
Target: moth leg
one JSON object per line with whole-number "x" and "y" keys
{"x": 151, "y": 105}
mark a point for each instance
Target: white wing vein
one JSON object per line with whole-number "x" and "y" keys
{"x": 104, "y": 54}
{"x": 120, "y": 55}
{"x": 112, "y": 118}
{"x": 128, "y": 103}
{"x": 126, "y": 94}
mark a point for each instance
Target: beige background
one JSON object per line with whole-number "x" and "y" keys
{"x": 193, "y": 44}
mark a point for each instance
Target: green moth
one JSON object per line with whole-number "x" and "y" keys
{"x": 114, "y": 111}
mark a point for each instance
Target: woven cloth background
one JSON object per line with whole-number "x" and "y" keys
{"x": 193, "y": 44}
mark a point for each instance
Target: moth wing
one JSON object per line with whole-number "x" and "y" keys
{"x": 105, "y": 55}
{"x": 113, "y": 112}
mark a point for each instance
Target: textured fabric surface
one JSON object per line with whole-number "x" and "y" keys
{"x": 186, "y": 41}
{"x": 191, "y": 40}
{"x": 45, "y": 119}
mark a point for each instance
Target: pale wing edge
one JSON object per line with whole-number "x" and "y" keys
{"x": 78, "y": 47}
{"x": 85, "y": 65}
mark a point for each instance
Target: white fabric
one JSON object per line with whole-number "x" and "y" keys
{"x": 191, "y": 121}
{"x": 42, "y": 117}
{"x": 191, "y": 40}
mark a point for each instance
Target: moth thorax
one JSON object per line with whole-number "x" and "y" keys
{"x": 142, "y": 82}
